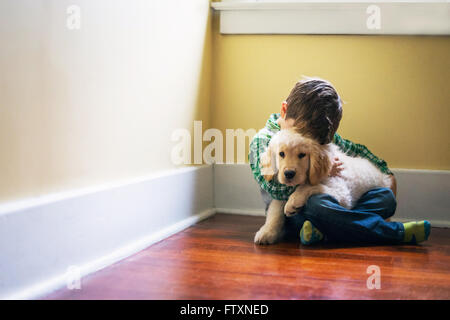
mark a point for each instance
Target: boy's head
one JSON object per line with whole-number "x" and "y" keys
{"x": 314, "y": 108}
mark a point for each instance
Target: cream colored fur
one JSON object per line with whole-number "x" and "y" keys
{"x": 312, "y": 177}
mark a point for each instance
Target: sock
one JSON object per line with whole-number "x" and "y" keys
{"x": 416, "y": 231}
{"x": 310, "y": 234}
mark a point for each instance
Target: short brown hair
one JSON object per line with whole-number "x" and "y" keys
{"x": 316, "y": 107}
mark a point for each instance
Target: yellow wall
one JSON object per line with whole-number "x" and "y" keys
{"x": 99, "y": 104}
{"x": 396, "y": 88}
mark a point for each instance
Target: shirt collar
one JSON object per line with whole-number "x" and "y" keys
{"x": 272, "y": 123}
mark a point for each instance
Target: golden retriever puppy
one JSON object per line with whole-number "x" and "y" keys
{"x": 295, "y": 160}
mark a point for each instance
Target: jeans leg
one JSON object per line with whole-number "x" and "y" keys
{"x": 380, "y": 201}
{"x": 355, "y": 225}
{"x": 293, "y": 225}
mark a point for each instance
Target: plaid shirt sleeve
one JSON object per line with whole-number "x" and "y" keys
{"x": 358, "y": 150}
{"x": 258, "y": 146}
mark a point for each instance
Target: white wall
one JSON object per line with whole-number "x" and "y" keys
{"x": 98, "y": 104}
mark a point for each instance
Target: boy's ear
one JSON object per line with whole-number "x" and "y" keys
{"x": 283, "y": 109}
{"x": 268, "y": 166}
{"x": 319, "y": 164}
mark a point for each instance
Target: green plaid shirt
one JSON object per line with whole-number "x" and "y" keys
{"x": 278, "y": 191}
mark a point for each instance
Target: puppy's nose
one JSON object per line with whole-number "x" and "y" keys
{"x": 289, "y": 174}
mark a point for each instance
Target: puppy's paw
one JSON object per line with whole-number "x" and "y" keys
{"x": 290, "y": 210}
{"x": 266, "y": 235}
{"x": 292, "y": 206}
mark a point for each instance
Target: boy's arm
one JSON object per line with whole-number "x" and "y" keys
{"x": 359, "y": 150}
{"x": 354, "y": 150}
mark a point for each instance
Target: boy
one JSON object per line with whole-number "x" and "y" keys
{"x": 315, "y": 109}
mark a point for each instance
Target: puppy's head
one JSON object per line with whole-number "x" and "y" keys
{"x": 295, "y": 159}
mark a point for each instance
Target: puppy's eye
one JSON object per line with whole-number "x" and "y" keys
{"x": 301, "y": 155}
{"x": 282, "y": 154}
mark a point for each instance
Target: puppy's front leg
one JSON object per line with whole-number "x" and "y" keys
{"x": 299, "y": 197}
{"x": 272, "y": 229}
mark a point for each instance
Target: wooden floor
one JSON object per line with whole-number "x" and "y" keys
{"x": 216, "y": 259}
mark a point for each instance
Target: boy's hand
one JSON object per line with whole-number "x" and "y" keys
{"x": 394, "y": 185}
{"x": 336, "y": 168}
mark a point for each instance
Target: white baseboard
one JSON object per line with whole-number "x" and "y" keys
{"x": 61, "y": 280}
{"x": 235, "y": 190}
{"x": 244, "y": 212}
{"x": 91, "y": 229}
{"x": 422, "y": 194}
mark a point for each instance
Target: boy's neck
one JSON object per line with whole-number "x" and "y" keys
{"x": 285, "y": 124}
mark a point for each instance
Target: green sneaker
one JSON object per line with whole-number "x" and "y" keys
{"x": 310, "y": 234}
{"x": 416, "y": 231}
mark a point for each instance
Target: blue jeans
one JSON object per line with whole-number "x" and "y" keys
{"x": 365, "y": 223}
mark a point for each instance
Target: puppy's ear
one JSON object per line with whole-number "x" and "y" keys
{"x": 268, "y": 166}
{"x": 319, "y": 164}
